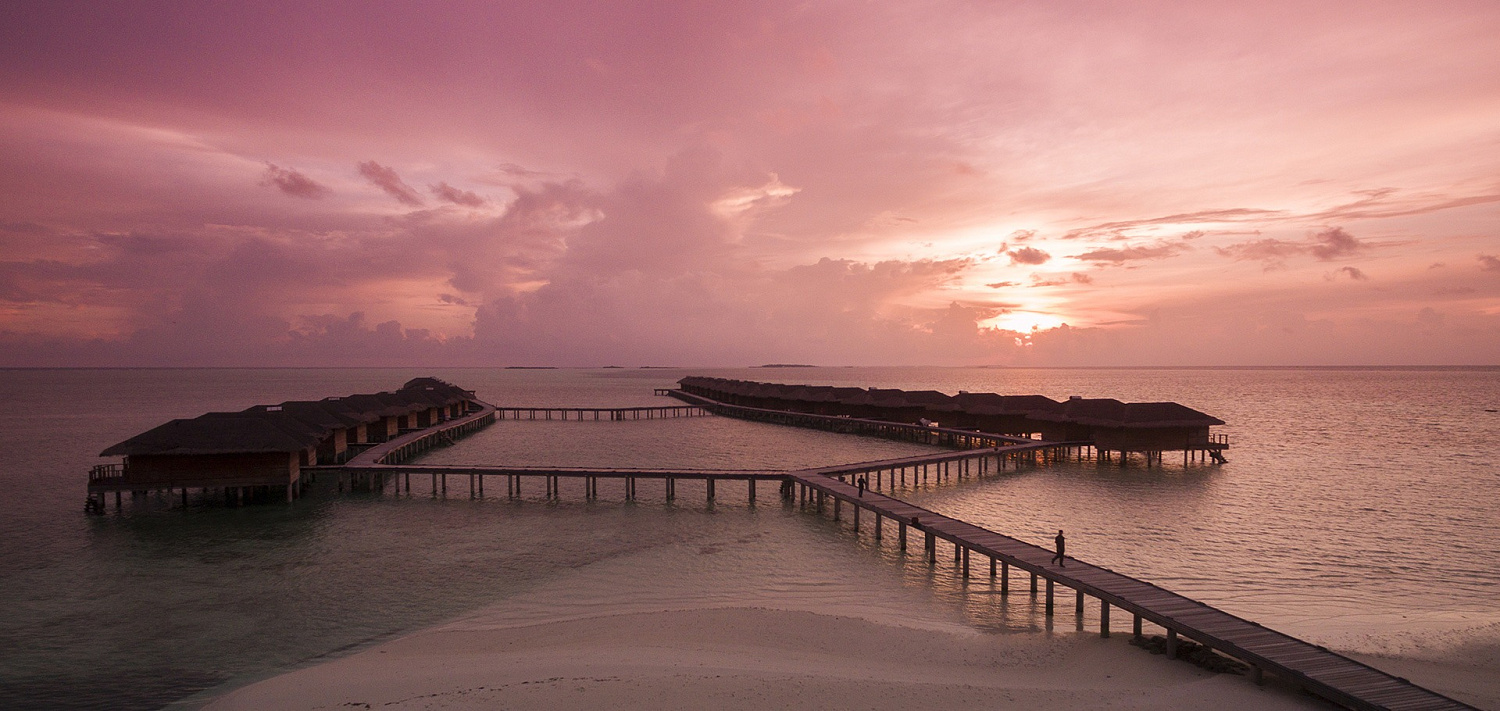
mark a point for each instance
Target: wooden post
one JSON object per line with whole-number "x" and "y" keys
{"x": 879, "y": 525}
{"x": 1137, "y": 627}
{"x": 1171, "y": 643}
{"x": 992, "y": 566}
{"x": 752, "y": 491}
{"x": 1103, "y": 618}
{"x": 711, "y": 483}
{"x": 1033, "y": 584}
{"x": 471, "y": 486}
{"x": 838, "y": 505}
{"x": 931, "y": 548}
{"x": 966, "y": 562}
{"x": 901, "y": 533}
{"x": 1078, "y": 607}
{"x": 1004, "y": 578}
{"x": 1049, "y": 597}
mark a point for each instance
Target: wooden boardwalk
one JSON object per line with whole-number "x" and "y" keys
{"x": 1319, "y": 671}
{"x": 599, "y": 413}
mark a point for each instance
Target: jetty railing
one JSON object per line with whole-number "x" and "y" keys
{"x": 598, "y": 413}
{"x": 105, "y": 472}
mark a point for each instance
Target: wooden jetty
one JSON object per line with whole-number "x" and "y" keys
{"x": 1324, "y": 673}
{"x": 828, "y": 490}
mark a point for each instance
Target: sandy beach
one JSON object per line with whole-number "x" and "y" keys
{"x": 751, "y": 658}
{"x": 731, "y": 621}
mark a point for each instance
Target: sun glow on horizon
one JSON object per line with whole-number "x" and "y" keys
{"x": 1023, "y": 321}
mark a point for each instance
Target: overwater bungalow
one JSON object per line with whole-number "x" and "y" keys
{"x": 266, "y": 447}
{"x": 1109, "y": 425}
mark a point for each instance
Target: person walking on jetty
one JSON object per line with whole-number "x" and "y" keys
{"x": 1061, "y": 543}
{"x": 862, "y": 483}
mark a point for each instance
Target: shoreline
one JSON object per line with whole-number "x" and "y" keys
{"x": 751, "y": 658}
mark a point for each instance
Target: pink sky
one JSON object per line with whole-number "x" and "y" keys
{"x": 494, "y": 183}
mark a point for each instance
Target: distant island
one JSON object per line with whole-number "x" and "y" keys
{"x": 786, "y": 365}
{"x": 531, "y": 367}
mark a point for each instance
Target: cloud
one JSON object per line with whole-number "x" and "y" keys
{"x": 386, "y": 179}
{"x": 1160, "y": 250}
{"x": 1328, "y": 245}
{"x": 1118, "y": 228}
{"x": 1333, "y": 243}
{"x": 1028, "y": 255}
{"x": 1000, "y": 284}
{"x": 1489, "y": 262}
{"x": 1074, "y": 278}
{"x": 294, "y": 183}
{"x": 1271, "y": 253}
{"x": 1353, "y": 273}
{"x": 451, "y": 194}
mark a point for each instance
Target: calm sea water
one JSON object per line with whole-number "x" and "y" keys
{"x": 1359, "y": 510}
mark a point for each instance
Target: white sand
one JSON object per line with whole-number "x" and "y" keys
{"x": 743, "y": 658}
{"x": 760, "y": 616}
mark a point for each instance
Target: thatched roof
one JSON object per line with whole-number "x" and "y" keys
{"x": 314, "y": 412}
{"x": 1106, "y": 412}
{"x": 1093, "y": 412}
{"x": 434, "y": 387}
{"x": 222, "y": 433}
{"x": 289, "y": 427}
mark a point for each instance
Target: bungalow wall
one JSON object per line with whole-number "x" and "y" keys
{"x": 385, "y": 429}
{"x": 333, "y": 447}
{"x": 274, "y": 468}
{"x": 1009, "y": 424}
{"x": 1154, "y": 439}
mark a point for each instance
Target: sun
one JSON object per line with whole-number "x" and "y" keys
{"x": 1023, "y": 321}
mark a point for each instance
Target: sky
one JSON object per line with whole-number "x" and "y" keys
{"x": 926, "y": 182}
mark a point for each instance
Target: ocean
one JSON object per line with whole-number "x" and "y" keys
{"x": 1358, "y": 510}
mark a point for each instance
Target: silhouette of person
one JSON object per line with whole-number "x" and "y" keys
{"x": 862, "y": 483}
{"x": 1061, "y": 542}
